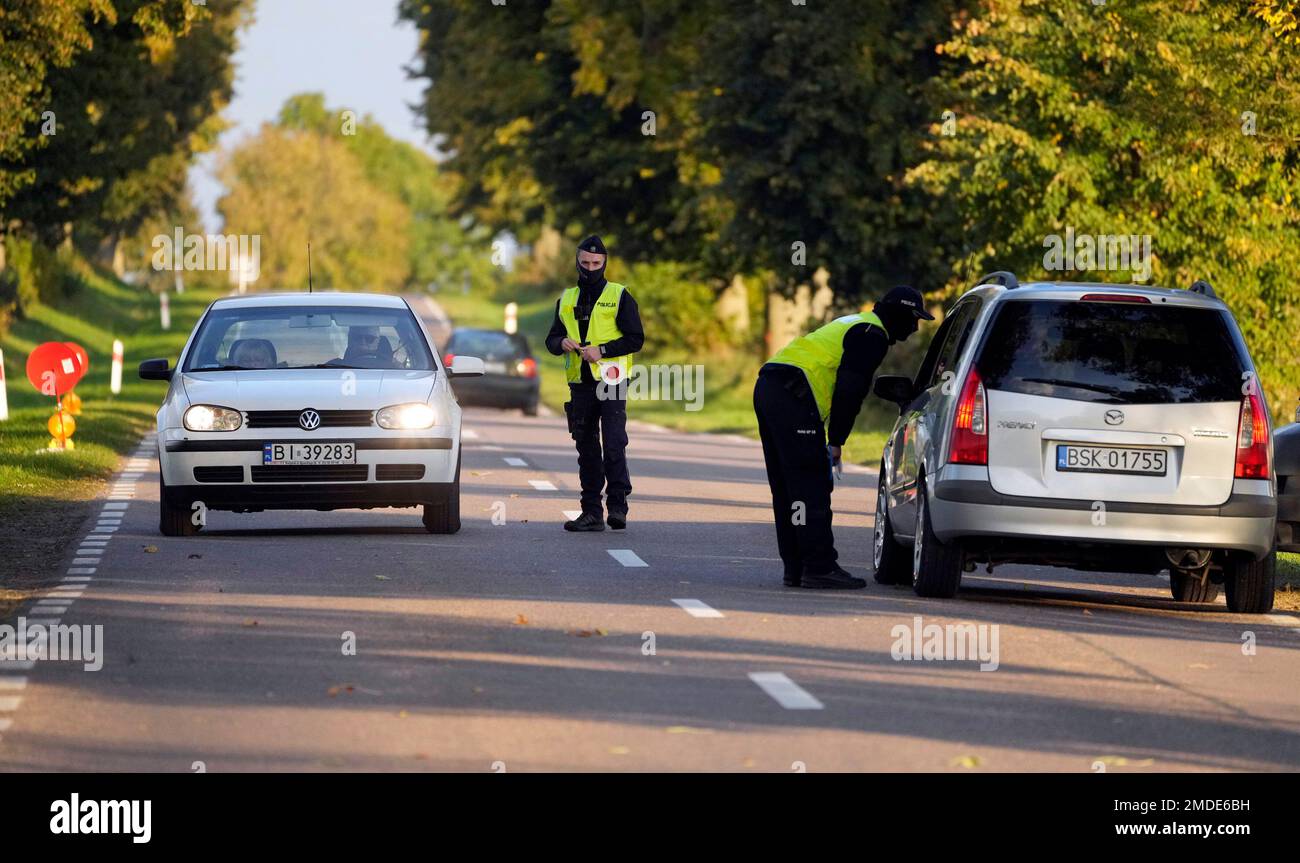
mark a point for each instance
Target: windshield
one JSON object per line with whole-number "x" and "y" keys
{"x": 296, "y": 337}
{"x": 487, "y": 345}
{"x": 1116, "y": 353}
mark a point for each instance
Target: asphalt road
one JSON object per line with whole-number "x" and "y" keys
{"x": 519, "y": 647}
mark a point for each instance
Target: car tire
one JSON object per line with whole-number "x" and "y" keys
{"x": 936, "y": 566}
{"x": 173, "y": 520}
{"x": 1187, "y": 587}
{"x": 531, "y": 409}
{"x": 891, "y": 562}
{"x": 1248, "y": 583}
{"x": 444, "y": 515}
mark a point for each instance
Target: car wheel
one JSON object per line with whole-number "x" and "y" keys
{"x": 889, "y": 557}
{"x": 173, "y": 520}
{"x": 936, "y": 567}
{"x": 531, "y": 409}
{"x": 1187, "y": 587}
{"x": 1248, "y": 583}
{"x": 444, "y": 516}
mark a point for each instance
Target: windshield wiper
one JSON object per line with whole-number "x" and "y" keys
{"x": 225, "y": 369}
{"x": 328, "y": 366}
{"x": 1061, "y": 382}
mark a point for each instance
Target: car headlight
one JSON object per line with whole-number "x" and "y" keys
{"x": 412, "y": 416}
{"x": 212, "y": 418}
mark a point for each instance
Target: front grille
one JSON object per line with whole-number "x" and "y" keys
{"x": 289, "y": 419}
{"x": 399, "y": 471}
{"x": 311, "y": 473}
{"x": 220, "y": 473}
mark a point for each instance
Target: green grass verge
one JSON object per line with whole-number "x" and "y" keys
{"x": 1288, "y": 582}
{"x": 727, "y": 404}
{"x": 43, "y": 495}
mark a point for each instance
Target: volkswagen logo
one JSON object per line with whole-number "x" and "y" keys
{"x": 309, "y": 420}
{"x": 1114, "y": 418}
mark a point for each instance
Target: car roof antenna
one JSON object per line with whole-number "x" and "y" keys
{"x": 309, "y": 266}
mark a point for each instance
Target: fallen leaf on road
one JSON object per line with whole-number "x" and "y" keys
{"x": 1087, "y": 612}
{"x": 1113, "y": 760}
{"x": 967, "y": 761}
{"x": 402, "y": 714}
{"x": 1198, "y": 665}
{"x": 514, "y": 495}
{"x": 382, "y": 578}
{"x": 478, "y": 689}
{"x": 335, "y": 690}
{"x": 250, "y": 622}
{"x": 151, "y": 549}
{"x": 520, "y": 620}
{"x": 619, "y": 750}
{"x": 586, "y": 633}
{"x": 686, "y": 729}
{"x": 480, "y": 473}
{"x": 748, "y": 762}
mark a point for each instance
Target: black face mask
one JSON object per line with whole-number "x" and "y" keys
{"x": 899, "y": 322}
{"x": 591, "y": 278}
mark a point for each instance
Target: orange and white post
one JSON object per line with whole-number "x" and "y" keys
{"x": 4, "y": 396}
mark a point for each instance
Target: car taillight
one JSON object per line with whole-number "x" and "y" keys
{"x": 447, "y": 358}
{"x": 1252, "y": 440}
{"x": 970, "y": 426}
{"x": 527, "y": 367}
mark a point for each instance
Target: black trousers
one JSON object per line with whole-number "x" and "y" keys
{"x": 599, "y": 429}
{"x": 798, "y": 469}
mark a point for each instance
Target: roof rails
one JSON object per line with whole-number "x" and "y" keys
{"x": 1002, "y": 277}
{"x": 1200, "y": 286}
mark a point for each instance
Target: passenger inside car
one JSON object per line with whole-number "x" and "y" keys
{"x": 253, "y": 354}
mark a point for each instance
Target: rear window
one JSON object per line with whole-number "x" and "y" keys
{"x": 1114, "y": 353}
{"x": 486, "y": 344}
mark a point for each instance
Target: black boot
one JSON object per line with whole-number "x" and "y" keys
{"x": 617, "y": 520}
{"x": 793, "y": 578}
{"x": 585, "y": 522}
{"x": 836, "y": 579}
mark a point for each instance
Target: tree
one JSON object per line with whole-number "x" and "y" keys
{"x": 292, "y": 187}
{"x": 1157, "y": 119}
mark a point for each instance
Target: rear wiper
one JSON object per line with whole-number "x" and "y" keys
{"x": 1061, "y": 382}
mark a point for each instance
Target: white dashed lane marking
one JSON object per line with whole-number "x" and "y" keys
{"x": 516, "y": 462}
{"x": 12, "y": 683}
{"x": 626, "y": 556}
{"x": 785, "y": 691}
{"x": 81, "y": 570}
{"x": 696, "y": 608}
{"x": 542, "y": 484}
{"x": 571, "y": 514}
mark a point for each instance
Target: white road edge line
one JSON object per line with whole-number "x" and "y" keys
{"x": 571, "y": 514}
{"x": 785, "y": 691}
{"x": 696, "y": 608}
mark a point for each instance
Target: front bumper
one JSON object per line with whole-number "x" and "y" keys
{"x": 391, "y": 469}
{"x": 963, "y": 503}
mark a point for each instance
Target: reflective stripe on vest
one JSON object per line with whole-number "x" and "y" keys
{"x": 601, "y": 328}
{"x": 819, "y": 354}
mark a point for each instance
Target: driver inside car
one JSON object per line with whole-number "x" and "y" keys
{"x": 366, "y": 345}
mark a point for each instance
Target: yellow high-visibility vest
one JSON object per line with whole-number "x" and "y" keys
{"x": 819, "y": 354}
{"x": 601, "y": 328}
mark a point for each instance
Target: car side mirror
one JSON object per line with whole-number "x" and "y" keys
{"x": 894, "y": 388}
{"x": 464, "y": 367}
{"x": 155, "y": 370}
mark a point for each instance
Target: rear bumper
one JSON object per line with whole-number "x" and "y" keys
{"x": 496, "y": 390}
{"x": 1288, "y": 516}
{"x": 963, "y": 503}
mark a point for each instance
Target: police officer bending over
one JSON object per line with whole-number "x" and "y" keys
{"x": 597, "y": 328}
{"x": 823, "y": 375}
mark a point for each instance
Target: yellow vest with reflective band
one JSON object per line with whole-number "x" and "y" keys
{"x": 819, "y": 354}
{"x": 601, "y": 328}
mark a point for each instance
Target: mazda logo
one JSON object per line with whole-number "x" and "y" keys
{"x": 1114, "y": 418}
{"x": 309, "y": 420}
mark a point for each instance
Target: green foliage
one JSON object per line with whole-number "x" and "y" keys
{"x": 294, "y": 187}
{"x": 129, "y": 111}
{"x": 676, "y": 307}
{"x": 442, "y": 250}
{"x": 1130, "y": 119}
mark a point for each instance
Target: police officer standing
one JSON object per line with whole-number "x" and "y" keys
{"x": 597, "y": 328}
{"x": 820, "y": 377}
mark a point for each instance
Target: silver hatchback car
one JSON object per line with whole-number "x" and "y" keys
{"x": 1093, "y": 426}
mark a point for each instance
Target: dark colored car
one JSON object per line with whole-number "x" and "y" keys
{"x": 509, "y": 370}
{"x": 1286, "y": 451}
